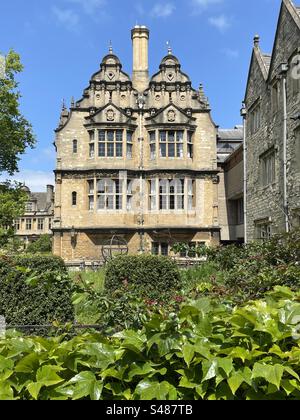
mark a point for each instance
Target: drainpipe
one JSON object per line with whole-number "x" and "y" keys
{"x": 284, "y": 69}
{"x": 244, "y": 115}
{"x": 141, "y": 105}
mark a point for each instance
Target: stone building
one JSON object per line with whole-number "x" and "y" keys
{"x": 38, "y": 217}
{"x": 272, "y": 121}
{"x": 136, "y": 158}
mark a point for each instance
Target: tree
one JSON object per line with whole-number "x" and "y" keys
{"x": 12, "y": 205}
{"x": 42, "y": 246}
{"x": 15, "y": 131}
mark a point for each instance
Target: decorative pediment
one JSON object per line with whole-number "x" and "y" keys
{"x": 171, "y": 115}
{"x": 170, "y": 72}
{"x": 110, "y": 114}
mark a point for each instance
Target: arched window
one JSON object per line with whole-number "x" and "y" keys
{"x": 75, "y": 146}
{"x": 74, "y": 198}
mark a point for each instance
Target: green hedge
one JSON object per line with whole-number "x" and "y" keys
{"x": 35, "y": 291}
{"x": 153, "y": 276}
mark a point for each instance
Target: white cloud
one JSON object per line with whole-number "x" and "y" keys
{"x": 220, "y": 22}
{"x": 66, "y": 17}
{"x": 206, "y": 3}
{"x": 201, "y": 5}
{"x": 35, "y": 180}
{"x": 69, "y": 16}
{"x": 163, "y": 10}
{"x": 89, "y": 6}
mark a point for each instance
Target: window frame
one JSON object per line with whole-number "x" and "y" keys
{"x": 75, "y": 147}
{"x": 74, "y": 199}
{"x": 29, "y": 225}
{"x": 268, "y": 167}
{"x": 40, "y": 224}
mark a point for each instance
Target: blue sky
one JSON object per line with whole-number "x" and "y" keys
{"x": 62, "y": 42}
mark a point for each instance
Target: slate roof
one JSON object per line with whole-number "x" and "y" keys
{"x": 233, "y": 134}
{"x": 41, "y": 200}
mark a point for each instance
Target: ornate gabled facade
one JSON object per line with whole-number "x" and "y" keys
{"x": 136, "y": 158}
{"x": 272, "y": 119}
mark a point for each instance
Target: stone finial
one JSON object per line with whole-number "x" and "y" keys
{"x": 169, "y": 48}
{"x": 256, "y": 41}
{"x": 64, "y": 113}
{"x": 110, "y": 48}
{"x": 201, "y": 93}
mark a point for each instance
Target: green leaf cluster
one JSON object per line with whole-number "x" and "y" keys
{"x": 205, "y": 352}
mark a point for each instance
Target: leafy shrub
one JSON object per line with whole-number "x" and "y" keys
{"x": 40, "y": 264}
{"x": 206, "y": 352}
{"x": 35, "y": 291}
{"x": 248, "y": 272}
{"x": 42, "y": 245}
{"x": 152, "y": 276}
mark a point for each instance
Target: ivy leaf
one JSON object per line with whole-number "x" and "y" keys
{"x": 153, "y": 390}
{"x": 226, "y": 364}
{"x": 235, "y": 381}
{"x": 140, "y": 370}
{"x": 29, "y": 364}
{"x": 210, "y": 370}
{"x": 188, "y": 352}
{"x": 83, "y": 385}
{"x": 272, "y": 374}
{"x": 47, "y": 375}
{"x": 34, "y": 389}
{"x": 6, "y": 391}
{"x": 5, "y": 364}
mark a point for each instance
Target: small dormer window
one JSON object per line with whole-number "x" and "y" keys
{"x": 75, "y": 147}
{"x": 29, "y": 207}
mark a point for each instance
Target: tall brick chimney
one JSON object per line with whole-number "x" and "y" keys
{"x": 140, "y": 41}
{"x": 50, "y": 194}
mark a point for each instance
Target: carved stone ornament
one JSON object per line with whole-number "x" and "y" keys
{"x": 170, "y": 76}
{"x": 110, "y": 115}
{"x": 171, "y": 116}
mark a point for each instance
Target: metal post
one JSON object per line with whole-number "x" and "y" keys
{"x": 244, "y": 115}
{"x": 285, "y": 187}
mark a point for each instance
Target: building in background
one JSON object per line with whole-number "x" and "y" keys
{"x": 136, "y": 158}
{"x": 38, "y": 217}
{"x": 231, "y": 187}
{"x": 272, "y": 103}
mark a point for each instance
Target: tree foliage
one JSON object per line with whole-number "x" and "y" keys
{"x": 42, "y": 245}
{"x": 12, "y": 206}
{"x": 15, "y": 131}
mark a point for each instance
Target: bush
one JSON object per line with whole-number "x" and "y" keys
{"x": 42, "y": 245}
{"x": 40, "y": 264}
{"x": 206, "y": 352}
{"x": 35, "y": 291}
{"x": 153, "y": 277}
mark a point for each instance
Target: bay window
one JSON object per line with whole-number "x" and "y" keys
{"x": 109, "y": 194}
